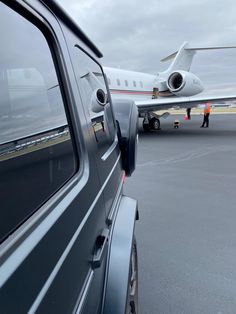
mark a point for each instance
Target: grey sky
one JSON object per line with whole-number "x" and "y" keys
{"x": 135, "y": 35}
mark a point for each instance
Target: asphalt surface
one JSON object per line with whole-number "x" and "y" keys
{"x": 185, "y": 183}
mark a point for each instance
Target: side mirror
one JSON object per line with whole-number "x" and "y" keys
{"x": 126, "y": 115}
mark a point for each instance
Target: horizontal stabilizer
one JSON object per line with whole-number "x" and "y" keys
{"x": 187, "y": 47}
{"x": 170, "y": 57}
{"x": 210, "y": 48}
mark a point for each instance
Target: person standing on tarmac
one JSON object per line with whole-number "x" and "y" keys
{"x": 207, "y": 111}
{"x": 188, "y": 113}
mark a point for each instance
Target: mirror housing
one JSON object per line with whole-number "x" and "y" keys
{"x": 126, "y": 115}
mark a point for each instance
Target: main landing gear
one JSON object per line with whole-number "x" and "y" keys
{"x": 151, "y": 123}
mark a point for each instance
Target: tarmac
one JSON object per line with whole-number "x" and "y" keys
{"x": 185, "y": 184}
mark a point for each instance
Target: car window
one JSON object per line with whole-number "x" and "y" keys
{"x": 91, "y": 77}
{"x": 36, "y": 153}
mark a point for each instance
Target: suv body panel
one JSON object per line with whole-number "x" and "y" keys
{"x": 46, "y": 264}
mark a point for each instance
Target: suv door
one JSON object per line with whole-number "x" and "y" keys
{"x": 52, "y": 214}
{"x": 103, "y": 127}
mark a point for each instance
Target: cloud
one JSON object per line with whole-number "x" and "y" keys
{"x": 136, "y": 34}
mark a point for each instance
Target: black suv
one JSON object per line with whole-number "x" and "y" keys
{"x": 66, "y": 229}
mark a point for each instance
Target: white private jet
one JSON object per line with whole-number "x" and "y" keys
{"x": 148, "y": 91}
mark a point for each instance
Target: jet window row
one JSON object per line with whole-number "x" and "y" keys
{"x": 126, "y": 83}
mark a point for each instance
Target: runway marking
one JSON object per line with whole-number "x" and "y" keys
{"x": 187, "y": 156}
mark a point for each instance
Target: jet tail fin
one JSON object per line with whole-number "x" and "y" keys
{"x": 184, "y": 56}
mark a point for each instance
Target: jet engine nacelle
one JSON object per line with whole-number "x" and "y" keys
{"x": 98, "y": 100}
{"x": 182, "y": 83}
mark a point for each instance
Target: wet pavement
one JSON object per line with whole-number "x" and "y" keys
{"x": 185, "y": 183}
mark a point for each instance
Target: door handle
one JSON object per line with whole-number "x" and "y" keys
{"x": 101, "y": 245}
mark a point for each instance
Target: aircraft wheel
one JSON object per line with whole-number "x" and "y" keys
{"x": 154, "y": 124}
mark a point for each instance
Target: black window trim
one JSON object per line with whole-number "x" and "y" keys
{"x": 63, "y": 15}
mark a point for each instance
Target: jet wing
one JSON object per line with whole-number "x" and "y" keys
{"x": 181, "y": 102}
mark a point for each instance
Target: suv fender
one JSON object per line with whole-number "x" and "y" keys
{"x": 120, "y": 250}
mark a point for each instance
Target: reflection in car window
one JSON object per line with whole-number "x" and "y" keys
{"x": 18, "y": 115}
{"x": 103, "y": 122}
{"x": 36, "y": 154}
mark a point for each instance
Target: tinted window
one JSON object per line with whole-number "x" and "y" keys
{"x": 91, "y": 78}
{"x": 134, "y": 83}
{"x": 36, "y": 155}
{"x": 126, "y": 83}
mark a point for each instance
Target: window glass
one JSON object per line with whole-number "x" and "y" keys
{"x": 36, "y": 155}
{"x": 134, "y": 83}
{"x": 91, "y": 77}
{"x": 126, "y": 83}
{"x": 141, "y": 84}
{"x": 109, "y": 81}
{"x": 118, "y": 82}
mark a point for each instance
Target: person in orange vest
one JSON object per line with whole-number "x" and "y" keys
{"x": 207, "y": 111}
